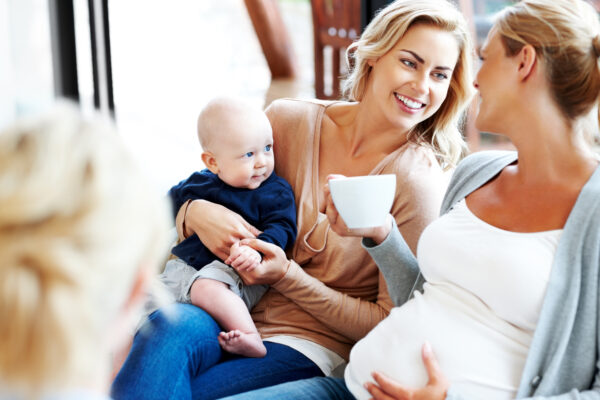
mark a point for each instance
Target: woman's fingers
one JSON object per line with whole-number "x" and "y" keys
{"x": 390, "y": 387}
{"x": 268, "y": 249}
{"x": 327, "y": 192}
{"x": 217, "y": 227}
{"x": 386, "y": 388}
{"x": 377, "y": 392}
{"x": 250, "y": 231}
{"x": 335, "y": 220}
{"x": 432, "y": 366}
{"x": 271, "y": 269}
{"x": 332, "y": 214}
{"x": 220, "y": 252}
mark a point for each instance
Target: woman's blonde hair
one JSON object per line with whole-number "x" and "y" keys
{"x": 77, "y": 220}
{"x": 441, "y": 130}
{"x": 565, "y": 35}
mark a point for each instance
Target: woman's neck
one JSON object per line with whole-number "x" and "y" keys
{"x": 371, "y": 132}
{"x": 551, "y": 149}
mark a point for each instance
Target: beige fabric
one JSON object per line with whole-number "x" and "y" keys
{"x": 332, "y": 293}
{"x": 330, "y": 363}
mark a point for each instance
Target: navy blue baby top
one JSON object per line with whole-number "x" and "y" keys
{"x": 270, "y": 208}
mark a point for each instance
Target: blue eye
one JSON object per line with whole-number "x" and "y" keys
{"x": 409, "y": 63}
{"x": 440, "y": 76}
{"x": 268, "y": 147}
{"x": 249, "y": 154}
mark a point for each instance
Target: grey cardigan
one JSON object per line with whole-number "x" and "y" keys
{"x": 563, "y": 360}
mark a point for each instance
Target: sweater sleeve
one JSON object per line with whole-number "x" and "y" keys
{"x": 417, "y": 203}
{"x": 420, "y": 193}
{"x": 279, "y": 220}
{"x": 176, "y": 197}
{"x": 574, "y": 394}
{"x": 397, "y": 264}
{"x": 351, "y": 316}
{"x": 181, "y": 193}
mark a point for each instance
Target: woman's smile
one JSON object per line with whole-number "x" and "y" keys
{"x": 409, "y": 104}
{"x": 409, "y": 83}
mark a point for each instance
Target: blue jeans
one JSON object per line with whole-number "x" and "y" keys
{"x": 178, "y": 357}
{"x": 305, "y": 389}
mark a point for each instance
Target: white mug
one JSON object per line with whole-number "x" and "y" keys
{"x": 363, "y": 201}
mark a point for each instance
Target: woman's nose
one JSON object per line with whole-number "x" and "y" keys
{"x": 420, "y": 84}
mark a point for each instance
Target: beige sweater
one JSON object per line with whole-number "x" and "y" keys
{"x": 332, "y": 293}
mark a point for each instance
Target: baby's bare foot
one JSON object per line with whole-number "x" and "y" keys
{"x": 245, "y": 344}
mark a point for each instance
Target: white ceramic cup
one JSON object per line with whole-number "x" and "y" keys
{"x": 363, "y": 201}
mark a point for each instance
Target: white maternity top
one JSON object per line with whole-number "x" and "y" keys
{"x": 478, "y": 310}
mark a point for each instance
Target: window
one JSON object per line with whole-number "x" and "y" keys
{"x": 26, "y": 80}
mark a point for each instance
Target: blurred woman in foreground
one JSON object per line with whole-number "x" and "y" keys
{"x": 81, "y": 233}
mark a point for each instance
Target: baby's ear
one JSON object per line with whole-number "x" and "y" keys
{"x": 210, "y": 161}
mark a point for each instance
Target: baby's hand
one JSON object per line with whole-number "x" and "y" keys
{"x": 243, "y": 258}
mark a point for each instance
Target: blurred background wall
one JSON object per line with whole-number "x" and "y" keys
{"x": 151, "y": 65}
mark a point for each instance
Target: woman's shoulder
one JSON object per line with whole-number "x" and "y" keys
{"x": 483, "y": 163}
{"x": 296, "y": 121}
{"x": 424, "y": 156}
{"x": 488, "y": 158}
{"x": 293, "y": 106}
{"x": 418, "y": 172}
{"x": 414, "y": 161}
{"x": 475, "y": 170}
{"x": 288, "y": 109}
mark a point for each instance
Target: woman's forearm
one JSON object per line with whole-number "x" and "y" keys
{"x": 397, "y": 264}
{"x": 350, "y": 316}
{"x": 216, "y": 226}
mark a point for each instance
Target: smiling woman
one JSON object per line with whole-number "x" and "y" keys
{"x": 380, "y": 38}
{"x": 330, "y": 293}
{"x": 513, "y": 314}
{"x": 417, "y": 72}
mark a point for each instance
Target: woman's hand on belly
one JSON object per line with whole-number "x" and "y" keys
{"x": 436, "y": 388}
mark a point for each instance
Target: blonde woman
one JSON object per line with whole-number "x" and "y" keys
{"x": 411, "y": 83}
{"x": 509, "y": 308}
{"x": 80, "y": 234}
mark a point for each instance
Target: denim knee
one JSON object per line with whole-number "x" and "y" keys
{"x": 176, "y": 344}
{"x": 181, "y": 323}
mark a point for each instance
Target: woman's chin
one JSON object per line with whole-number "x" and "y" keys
{"x": 482, "y": 125}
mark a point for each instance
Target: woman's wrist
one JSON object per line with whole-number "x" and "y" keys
{"x": 381, "y": 233}
{"x": 284, "y": 271}
{"x": 290, "y": 270}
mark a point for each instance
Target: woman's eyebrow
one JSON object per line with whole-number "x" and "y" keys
{"x": 421, "y": 61}
{"x": 415, "y": 55}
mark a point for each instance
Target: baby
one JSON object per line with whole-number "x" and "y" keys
{"x": 237, "y": 143}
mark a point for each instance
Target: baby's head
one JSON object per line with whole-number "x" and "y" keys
{"x": 237, "y": 142}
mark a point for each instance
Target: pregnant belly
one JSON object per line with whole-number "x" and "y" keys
{"x": 482, "y": 355}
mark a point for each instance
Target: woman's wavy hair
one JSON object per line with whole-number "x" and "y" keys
{"x": 565, "y": 35}
{"x": 77, "y": 221}
{"x": 441, "y": 130}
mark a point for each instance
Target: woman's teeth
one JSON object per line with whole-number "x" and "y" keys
{"x": 409, "y": 103}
